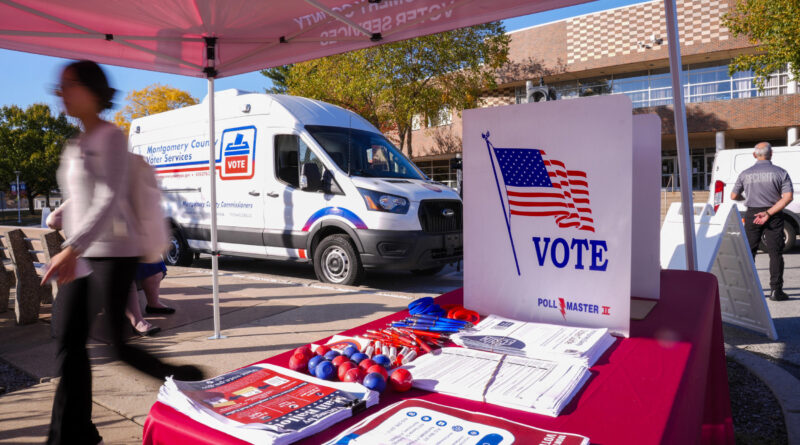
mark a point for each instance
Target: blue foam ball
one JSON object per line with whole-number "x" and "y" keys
{"x": 350, "y": 350}
{"x": 375, "y": 382}
{"x": 330, "y": 355}
{"x": 358, "y": 357}
{"x": 313, "y": 362}
{"x": 324, "y": 370}
{"x": 382, "y": 360}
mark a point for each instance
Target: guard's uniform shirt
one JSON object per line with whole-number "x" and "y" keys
{"x": 763, "y": 184}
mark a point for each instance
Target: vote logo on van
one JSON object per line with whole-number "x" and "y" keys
{"x": 238, "y": 153}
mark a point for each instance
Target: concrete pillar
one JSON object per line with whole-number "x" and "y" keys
{"x": 720, "y": 140}
{"x": 792, "y": 136}
{"x": 528, "y": 88}
{"x": 791, "y": 85}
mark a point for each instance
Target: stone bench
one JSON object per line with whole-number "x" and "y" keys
{"x": 7, "y": 278}
{"x": 29, "y": 250}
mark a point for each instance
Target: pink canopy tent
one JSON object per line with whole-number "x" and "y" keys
{"x": 218, "y": 38}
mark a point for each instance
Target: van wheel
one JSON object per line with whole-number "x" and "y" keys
{"x": 789, "y": 237}
{"x": 178, "y": 253}
{"x": 336, "y": 261}
{"x": 429, "y": 271}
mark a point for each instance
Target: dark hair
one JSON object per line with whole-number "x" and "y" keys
{"x": 90, "y": 75}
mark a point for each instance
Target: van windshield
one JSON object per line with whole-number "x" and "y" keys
{"x": 364, "y": 153}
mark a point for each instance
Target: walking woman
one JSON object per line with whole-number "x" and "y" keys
{"x": 93, "y": 175}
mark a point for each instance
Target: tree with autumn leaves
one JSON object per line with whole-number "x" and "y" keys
{"x": 390, "y": 84}
{"x": 153, "y": 99}
{"x": 773, "y": 25}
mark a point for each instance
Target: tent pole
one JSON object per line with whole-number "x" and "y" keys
{"x": 212, "y": 175}
{"x": 681, "y": 135}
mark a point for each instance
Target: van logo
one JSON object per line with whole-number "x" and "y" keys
{"x": 238, "y": 153}
{"x": 448, "y": 213}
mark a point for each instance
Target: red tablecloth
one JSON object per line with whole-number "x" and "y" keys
{"x": 667, "y": 384}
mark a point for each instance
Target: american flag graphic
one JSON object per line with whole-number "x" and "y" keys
{"x": 538, "y": 186}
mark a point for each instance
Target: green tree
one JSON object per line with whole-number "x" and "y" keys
{"x": 278, "y": 76}
{"x": 152, "y": 99}
{"x": 774, "y": 25}
{"x": 31, "y": 142}
{"x": 389, "y": 84}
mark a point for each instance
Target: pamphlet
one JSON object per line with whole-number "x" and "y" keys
{"x": 538, "y": 340}
{"x": 265, "y": 403}
{"x": 534, "y": 385}
{"x": 419, "y": 422}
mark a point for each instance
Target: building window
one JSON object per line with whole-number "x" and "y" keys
{"x": 439, "y": 171}
{"x": 704, "y": 83}
{"x": 416, "y": 122}
{"x": 442, "y": 118}
{"x": 521, "y": 94}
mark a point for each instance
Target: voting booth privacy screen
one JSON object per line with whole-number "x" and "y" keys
{"x": 547, "y": 211}
{"x": 723, "y": 250}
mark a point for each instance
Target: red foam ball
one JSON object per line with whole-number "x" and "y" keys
{"x": 338, "y": 360}
{"x": 380, "y": 369}
{"x": 298, "y": 362}
{"x": 400, "y": 380}
{"x": 344, "y": 367}
{"x": 354, "y": 375}
{"x": 366, "y": 363}
{"x": 305, "y": 350}
{"x": 322, "y": 350}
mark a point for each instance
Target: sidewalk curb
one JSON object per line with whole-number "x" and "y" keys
{"x": 784, "y": 386}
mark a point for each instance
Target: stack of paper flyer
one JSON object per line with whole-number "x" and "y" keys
{"x": 536, "y": 340}
{"x": 266, "y": 404}
{"x": 416, "y": 421}
{"x": 534, "y": 385}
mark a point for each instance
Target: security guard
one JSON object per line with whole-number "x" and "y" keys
{"x": 767, "y": 190}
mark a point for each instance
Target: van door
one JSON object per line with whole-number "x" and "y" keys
{"x": 290, "y": 211}
{"x": 243, "y": 159}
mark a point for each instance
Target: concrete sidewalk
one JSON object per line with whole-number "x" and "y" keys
{"x": 260, "y": 317}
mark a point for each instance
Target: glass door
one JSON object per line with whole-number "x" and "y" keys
{"x": 669, "y": 173}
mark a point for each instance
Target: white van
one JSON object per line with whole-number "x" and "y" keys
{"x": 300, "y": 180}
{"x": 729, "y": 163}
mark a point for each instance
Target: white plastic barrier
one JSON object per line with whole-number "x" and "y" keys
{"x": 722, "y": 249}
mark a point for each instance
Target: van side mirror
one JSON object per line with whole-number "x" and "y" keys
{"x": 310, "y": 178}
{"x": 329, "y": 184}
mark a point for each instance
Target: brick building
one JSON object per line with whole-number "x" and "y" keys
{"x": 624, "y": 51}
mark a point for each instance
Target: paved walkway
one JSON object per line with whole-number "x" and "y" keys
{"x": 260, "y": 317}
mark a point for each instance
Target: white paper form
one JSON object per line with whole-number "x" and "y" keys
{"x": 507, "y": 336}
{"x": 534, "y": 385}
{"x": 455, "y": 369}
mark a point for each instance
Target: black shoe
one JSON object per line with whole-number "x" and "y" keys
{"x": 187, "y": 373}
{"x": 778, "y": 295}
{"x": 152, "y": 331}
{"x": 159, "y": 310}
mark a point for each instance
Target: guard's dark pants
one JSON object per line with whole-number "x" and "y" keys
{"x": 772, "y": 231}
{"x": 81, "y": 300}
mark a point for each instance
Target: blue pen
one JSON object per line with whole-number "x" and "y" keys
{"x": 434, "y": 323}
{"x": 435, "y": 318}
{"x": 439, "y": 321}
{"x": 426, "y": 327}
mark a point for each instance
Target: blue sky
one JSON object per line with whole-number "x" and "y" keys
{"x": 28, "y": 78}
